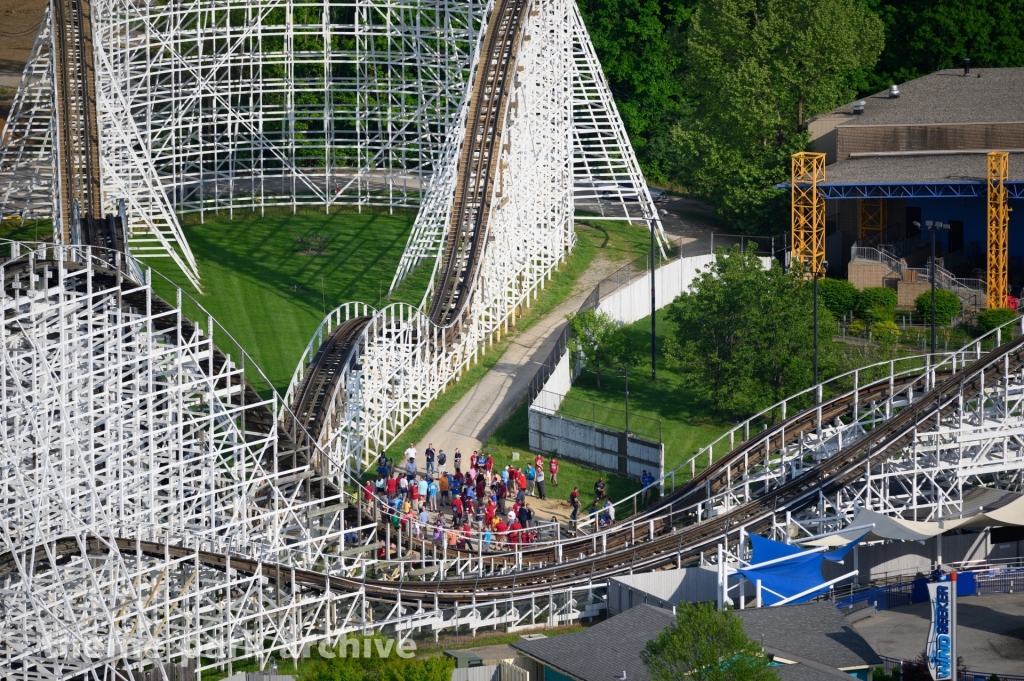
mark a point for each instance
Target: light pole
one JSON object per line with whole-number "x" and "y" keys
{"x": 625, "y": 372}
{"x": 933, "y": 227}
{"x": 654, "y": 316}
{"x": 814, "y": 275}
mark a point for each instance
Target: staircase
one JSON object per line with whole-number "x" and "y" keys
{"x": 971, "y": 292}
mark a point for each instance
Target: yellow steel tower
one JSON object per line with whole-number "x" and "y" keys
{"x": 873, "y": 221}
{"x": 808, "y": 233}
{"x": 998, "y": 229}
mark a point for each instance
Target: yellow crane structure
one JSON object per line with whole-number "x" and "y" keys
{"x": 998, "y": 230}
{"x": 808, "y": 213}
{"x": 873, "y": 221}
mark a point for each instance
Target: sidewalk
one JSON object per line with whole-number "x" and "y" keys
{"x": 471, "y": 421}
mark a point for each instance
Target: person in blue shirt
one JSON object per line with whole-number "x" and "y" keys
{"x": 453, "y": 485}
{"x": 646, "y": 482}
{"x": 432, "y": 490}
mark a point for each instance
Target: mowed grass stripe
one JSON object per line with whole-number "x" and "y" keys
{"x": 270, "y": 295}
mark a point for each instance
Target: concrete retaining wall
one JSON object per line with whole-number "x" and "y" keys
{"x": 604, "y": 449}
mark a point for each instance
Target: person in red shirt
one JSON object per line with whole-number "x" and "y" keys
{"x": 490, "y": 463}
{"x": 521, "y": 482}
{"x": 489, "y": 513}
{"x": 414, "y": 493}
{"x": 368, "y": 490}
{"x": 467, "y": 534}
{"x": 457, "y": 505}
{"x": 392, "y": 487}
{"x": 539, "y": 462}
{"x": 513, "y": 532}
{"x": 553, "y": 469}
{"x": 501, "y": 529}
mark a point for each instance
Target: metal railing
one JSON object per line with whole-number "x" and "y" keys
{"x": 873, "y": 254}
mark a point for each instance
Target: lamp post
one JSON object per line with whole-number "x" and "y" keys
{"x": 625, "y": 372}
{"x": 814, "y": 275}
{"x": 933, "y": 227}
{"x": 654, "y": 316}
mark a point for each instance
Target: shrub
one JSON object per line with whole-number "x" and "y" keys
{"x": 990, "y": 319}
{"x": 856, "y": 327}
{"x": 886, "y": 333}
{"x": 877, "y": 304}
{"x": 838, "y": 295}
{"x": 947, "y": 306}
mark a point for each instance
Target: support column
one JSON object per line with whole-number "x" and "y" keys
{"x": 998, "y": 230}
{"x": 808, "y": 212}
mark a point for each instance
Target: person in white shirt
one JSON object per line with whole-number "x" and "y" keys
{"x": 410, "y": 453}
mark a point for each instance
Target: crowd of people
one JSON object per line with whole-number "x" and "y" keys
{"x": 462, "y": 504}
{"x": 471, "y": 504}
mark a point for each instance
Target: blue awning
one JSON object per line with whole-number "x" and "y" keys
{"x": 797, "y": 572}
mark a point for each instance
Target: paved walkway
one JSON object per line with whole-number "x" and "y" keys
{"x": 990, "y": 632}
{"x": 471, "y": 421}
{"x": 474, "y": 418}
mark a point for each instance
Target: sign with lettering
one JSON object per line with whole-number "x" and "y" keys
{"x": 941, "y": 650}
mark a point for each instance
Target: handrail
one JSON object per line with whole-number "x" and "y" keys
{"x": 877, "y": 255}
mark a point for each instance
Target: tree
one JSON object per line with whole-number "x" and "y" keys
{"x": 705, "y": 645}
{"x": 994, "y": 318}
{"x": 838, "y": 295}
{"x": 877, "y": 303}
{"x": 639, "y": 43}
{"x": 744, "y": 334}
{"x": 756, "y": 70}
{"x": 926, "y": 35}
{"x": 597, "y": 337}
{"x": 947, "y": 306}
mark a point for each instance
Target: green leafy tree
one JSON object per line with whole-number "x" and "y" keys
{"x": 597, "y": 337}
{"x": 922, "y": 36}
{"x": 838, "y": 295}
{"x": 947, "y": 306}
{"x": 744, "y": 334}
{"x": 706, "y": 644}
{"x": 991, "y": 319}
{"x": 640, "y": 45}
{"x": 756, "y": 70}
{"x": 877, "y": 304}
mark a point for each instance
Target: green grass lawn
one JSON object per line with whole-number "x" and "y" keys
{"x": 687, "y": 424}
{"x": 270, "y": 296}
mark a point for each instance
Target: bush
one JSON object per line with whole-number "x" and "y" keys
{"x": 887, "y": 334}
{"x": 856, "y": 327}
{"x": 991, "y": 319}
{"x": 947, "y": 306}
{"x": 838, "y": 295}
{"x": 877, "y": 304}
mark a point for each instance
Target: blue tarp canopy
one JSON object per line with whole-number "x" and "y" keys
{"x": 800, "y": 572}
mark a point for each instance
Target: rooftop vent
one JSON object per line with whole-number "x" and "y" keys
{"x": 967, "y": 66}
{"x": 858, "y": 107}
{"x": 894, "y": 91}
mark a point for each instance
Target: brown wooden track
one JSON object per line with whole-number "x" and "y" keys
{"x": 467, "y": 232}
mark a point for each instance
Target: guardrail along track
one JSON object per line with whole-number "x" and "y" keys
{"x": 326, "y": 369}
{"x": 722, "y": 471}
{"x": 467, "y": 232}
{"x": 666, "y": 546}
{"x": 77, "y": 144}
